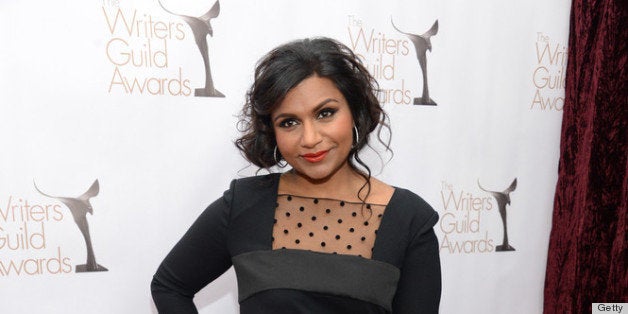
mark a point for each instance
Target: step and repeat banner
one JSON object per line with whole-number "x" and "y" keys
{"x": 118, "y": 119}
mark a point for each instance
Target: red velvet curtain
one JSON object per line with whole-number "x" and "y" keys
{"x": 587, "y": 258}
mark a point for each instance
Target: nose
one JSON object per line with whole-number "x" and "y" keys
{"x": 310, "y": 136}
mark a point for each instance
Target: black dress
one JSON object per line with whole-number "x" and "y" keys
{"x": 294, "y": 258}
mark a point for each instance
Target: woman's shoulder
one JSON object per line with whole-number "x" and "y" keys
{"x": 409, "y": 206}
{"x": 266, "y": 181}
{"x": 252, "y": 188}
{"x": 411, "y": 198}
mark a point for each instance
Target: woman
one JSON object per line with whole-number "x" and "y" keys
{"x": 324, "y": 236}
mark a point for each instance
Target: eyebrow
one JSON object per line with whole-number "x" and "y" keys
{"x": 317, "y": 108}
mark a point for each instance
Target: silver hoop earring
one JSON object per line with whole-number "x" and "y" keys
{"x": 277, "y": 161}
{"x": 357, "y": 136}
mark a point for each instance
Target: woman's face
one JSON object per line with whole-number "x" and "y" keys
{"x": 314, "y": 129}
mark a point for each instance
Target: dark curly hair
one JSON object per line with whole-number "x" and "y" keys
{"x": 285, "y": 67}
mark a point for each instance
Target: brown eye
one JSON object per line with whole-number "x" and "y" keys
{"x": 326, "y": 113}
{"x": 287, "y": 123}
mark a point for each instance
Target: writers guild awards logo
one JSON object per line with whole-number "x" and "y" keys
{"x": 422, "y": 44}
{"x": 503, "y": 199}
{"x": 201, "y": 27}
{"x": 79, "y": 207}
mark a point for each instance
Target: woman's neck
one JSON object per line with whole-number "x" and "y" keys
{"x": 344, "y": 184}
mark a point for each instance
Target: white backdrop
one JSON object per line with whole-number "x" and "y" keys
{"x": 74, "y": 111}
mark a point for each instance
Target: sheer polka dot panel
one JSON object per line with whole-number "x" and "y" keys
{"x": 326, "y": 225}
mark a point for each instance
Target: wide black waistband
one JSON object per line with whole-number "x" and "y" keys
{"x": 336, "y": 274}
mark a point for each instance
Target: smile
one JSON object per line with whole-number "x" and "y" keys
{"x": 315, "y": 157}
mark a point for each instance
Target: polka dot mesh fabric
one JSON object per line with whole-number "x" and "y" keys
{"x": 326, "y": 225}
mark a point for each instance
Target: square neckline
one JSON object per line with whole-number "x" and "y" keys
{"x": 378, "y": 239}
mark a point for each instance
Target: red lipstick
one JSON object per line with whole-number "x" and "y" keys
{"x": 315, "y": 157}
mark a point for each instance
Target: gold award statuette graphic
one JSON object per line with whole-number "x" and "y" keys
{"x": 201, "y": 27}
{"x": 79, "y": 207}
{"x": 503, "y": 199}
{"x": 422, "y": 44}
